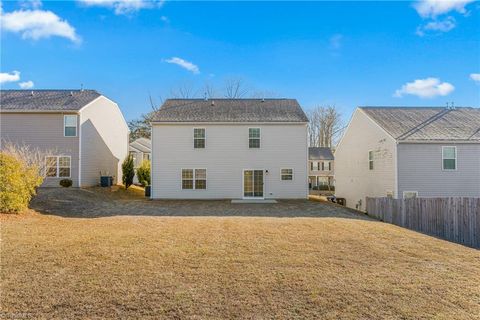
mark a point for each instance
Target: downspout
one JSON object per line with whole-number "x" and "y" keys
{"x": 79, "y": 149}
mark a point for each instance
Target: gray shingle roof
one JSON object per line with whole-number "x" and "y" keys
{"x": 230, "y": 110}
{"x": 320, "y": 153}
{"x": 428, "y": 123}
{"x": 46, "y": 100}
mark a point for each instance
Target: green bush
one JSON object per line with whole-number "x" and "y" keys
{"x": 17, "y": 184}
{"x": 128, "y": 171}
{"x": 143, "y": 173}
{"x": 66, "y": 183}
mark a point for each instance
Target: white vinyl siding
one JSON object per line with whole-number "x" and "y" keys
{"x": 225, "y": 159}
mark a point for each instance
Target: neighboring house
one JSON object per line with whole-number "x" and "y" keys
{"x": 408, "y": 152}
{"x": 320, "y": 167}
{"x": 140, "y": 149}
{"x": 84, "y": 132}
{"x": 229, "y": 149}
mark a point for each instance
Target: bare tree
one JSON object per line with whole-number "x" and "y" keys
{"x": 209, "y": 90}
{"x": 325, "y": 126}
{"x": 235, "y": 88}
{"x": 33, "y": 158}
{"x": 185, "y": 90}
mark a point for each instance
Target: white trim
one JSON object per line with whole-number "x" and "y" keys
{"x": 286, "y": 174}
{"x": 194, "y": 179}
{"x": 253, "y": 181}
{"x": 456, "y": 157}
{"x": 65, "y": 125}
{"x": 204, "y": 138}
{"x": 41, "y": 111}
{"x": 58, "y": 167}
{"x": 79, "y": 150}
{"x": 415, "y": 192}
{"x": 259, "y": 139}
{"x": 440, "y": 141}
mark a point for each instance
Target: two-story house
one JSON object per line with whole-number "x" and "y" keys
{"x": 229, "y": 149}
{"x": 409, "y": 152}
{"x": 83, "y": 132}
{"x": 320, "y": 168}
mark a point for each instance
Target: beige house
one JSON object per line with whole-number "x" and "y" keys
{"x": 229, "y": 149}
{"x": 84, "y": 132}
{"x": 406, "y": 152}
{"x": 320, "y": 168}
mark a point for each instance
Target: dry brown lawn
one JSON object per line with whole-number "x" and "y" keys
{"x": 231, "y": 267}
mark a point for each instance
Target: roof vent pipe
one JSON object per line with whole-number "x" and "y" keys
{"x": 213, "y": 103}
{"x": 31, "y": 93}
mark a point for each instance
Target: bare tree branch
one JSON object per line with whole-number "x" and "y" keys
{"x": 235, "y": 88}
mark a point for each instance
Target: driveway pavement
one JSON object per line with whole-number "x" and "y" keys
{"x": 103, "y": 202}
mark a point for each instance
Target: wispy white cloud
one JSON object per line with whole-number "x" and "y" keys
{"x": 437, "y": 26}
{"x": 425, "y": 88}
{"x": 124, "y": 7}
{"x": 336, "y": 41}
{"x": 475, "y": 77}
{"x": 26, "y": 85}
{"x": 37, "y": 24}
{"x": 434, "y": 8}
{"x": 187, "y": 65}
{"x": 165, "y": 19}
{"x": 5, "y": 77}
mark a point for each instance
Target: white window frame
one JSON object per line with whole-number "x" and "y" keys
{"x": 281, "y": 174}
{"x": 259, "y": 138}
{"x": 194, "y": 178}
{"x": 371, "y": 161}
{"x": 65, "y": 125}
{"x": 204, "y": 138}
{"x": 414, "y": 192}
{"x": 456, "y": 156}
{"x": 58, "y": 167}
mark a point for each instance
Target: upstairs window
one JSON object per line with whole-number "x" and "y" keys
{"x": 370, "y": 160}
{"x": 70, "y": 126}
{"x": 199, "y": 138}
{"x": 287, "y": 174}
{"x": 254, "y": 137}
{"x": 326, "y": 166}
{"x": 449, "y": 158}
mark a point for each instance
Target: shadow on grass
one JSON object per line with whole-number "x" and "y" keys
{"x": 105, "y": 202}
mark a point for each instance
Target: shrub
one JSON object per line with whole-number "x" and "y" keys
{"x": 128, "y": 171}
{"x": 66, "y": 183}
{"x": 17, "y": 184}
{"x": 143, "y": 173}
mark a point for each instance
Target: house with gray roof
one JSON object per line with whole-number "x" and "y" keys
{"x": 406, "y": 152}
{"x": 320, "y": 168}
{"x": 229, "y": 149}
{"x": 83, "y": 133}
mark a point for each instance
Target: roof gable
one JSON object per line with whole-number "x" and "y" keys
{"x": 427, "y": 123}
{"x": 230, "y": 110}
{"x": 46, "y": 100}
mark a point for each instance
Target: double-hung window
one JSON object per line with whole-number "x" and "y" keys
{"x": 449, "y": 158}
{"x": 253, "y": 138}
{"x": 70, "y": 125}
{"x": 370, "y": 160}
{"x": 57, "y": 166}
{"x": 194, "y": 179}
{"x": 286, "y": 174}
{"x": 199, "y": 138}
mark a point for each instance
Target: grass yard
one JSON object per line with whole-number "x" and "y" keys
{"x": 231, "y": 267}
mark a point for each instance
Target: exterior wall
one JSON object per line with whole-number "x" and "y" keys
{"x": 104, "y": 141}
{"x": 44, "y": 131}
{"x": 420, "y": 169}
{"x": 225, "y": 156}
{"x": 353, "y": 179}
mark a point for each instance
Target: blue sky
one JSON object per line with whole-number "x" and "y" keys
{"x": 342, "y": 53}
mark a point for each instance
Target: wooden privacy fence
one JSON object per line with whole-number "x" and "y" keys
{"x": 453, "y": 219}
